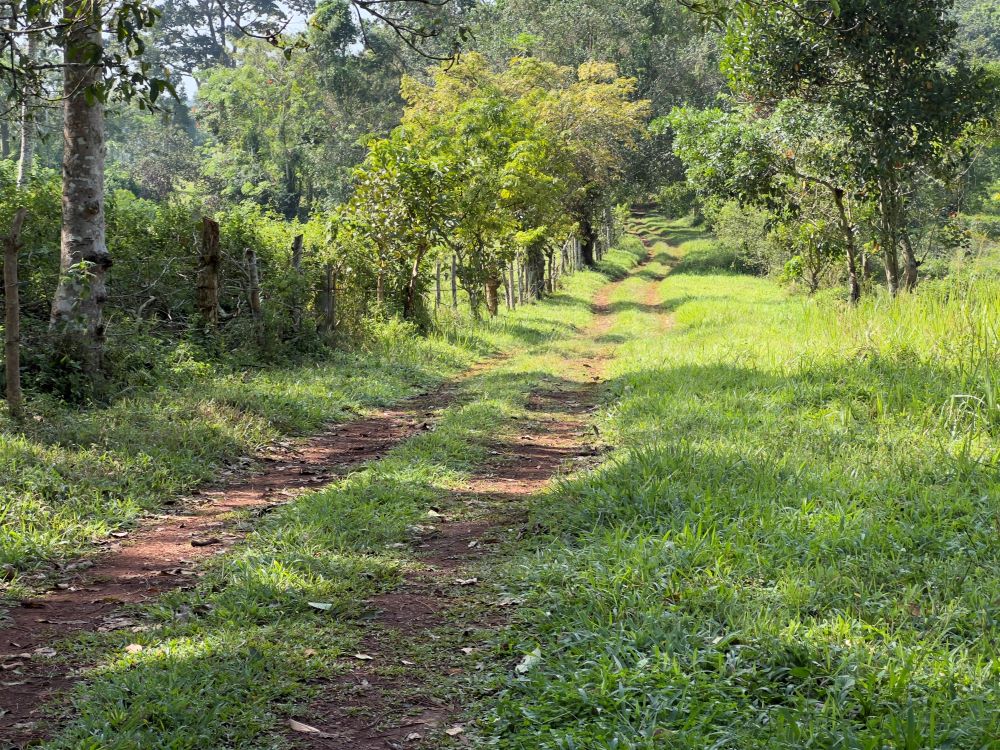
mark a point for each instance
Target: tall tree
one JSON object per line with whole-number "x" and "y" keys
{"x": 78, "y": 306}
{"x": 882, "y": 67}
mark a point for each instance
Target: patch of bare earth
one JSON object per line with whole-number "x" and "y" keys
{"x": 164, "y": 552}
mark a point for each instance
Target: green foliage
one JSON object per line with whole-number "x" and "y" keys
{"x": 677, "y": 200}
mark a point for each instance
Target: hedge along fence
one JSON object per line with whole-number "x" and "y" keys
{"x": 238, "y": 280}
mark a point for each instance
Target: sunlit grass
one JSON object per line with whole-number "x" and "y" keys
{"x": 794, "y": 543}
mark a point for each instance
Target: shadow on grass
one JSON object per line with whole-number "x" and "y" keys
{"x": 770, "y": 539}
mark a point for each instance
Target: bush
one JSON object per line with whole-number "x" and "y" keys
{"x": 984, "y": 225}
{"x": 677, "y": 200}
{"x": 745, "y": 234}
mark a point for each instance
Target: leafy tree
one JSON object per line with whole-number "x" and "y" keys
{"x": 598, "y": 119}
{"x": 979, "y": 28}
{"x": 879, "y": 67}
{"x": 287, "y": 133}
{"x": 193, "y": 35}
{"x": 672, "y": 58}
{"x": 395, "y": 214}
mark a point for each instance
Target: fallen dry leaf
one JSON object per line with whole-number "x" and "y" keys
{"x": 364, "y": 657}
{"x": 412, "y": 737}
{"x": 455, "y": 730}
{"x": 133, "y": 648}
{"x": 467, "y": 581}
{"x": 298, "y": 726}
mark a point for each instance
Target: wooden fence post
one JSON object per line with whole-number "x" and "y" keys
{"x": 253, "y": 295}
{"x": 437, "y": 285}
{"x": 297, "y": 291}
{"x": 12, "y": 316}
{"x": 209, "y": 260}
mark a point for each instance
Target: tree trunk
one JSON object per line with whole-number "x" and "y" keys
{"x": 77, "y": 321}
{"x": 327, "y": 302}
{"x": 12, "y": 316}
{"x": 253, "y": 295}
{"x": 609, "y": 227}
{"x": 587, "y": 242}
{"x": 410, "y": 303}
{"x": 207, "y": 296}
{"x": 4, "y": 139}
{"x": 492, "y": 296}
{"x": 331, "y": 316}
{"x": 534, "y": 273}
{"x": 550, "y": 285}
{"x": 380, "y": 287}
{"x": 27, "y": 121}
{"x": 888, "y": 233}
{"x": 512, "y": 285}
{"x": 454, "y": 282}
{"x": 852, "y": 250}
{"x": 297, "y": 301}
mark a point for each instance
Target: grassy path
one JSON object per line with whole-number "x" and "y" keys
{"x": 428, "y": 636}
{"x": 699, "y": 512}
{"x": 272, "y": 622}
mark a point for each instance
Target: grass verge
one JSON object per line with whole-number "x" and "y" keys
{"x": 793, "y": 543}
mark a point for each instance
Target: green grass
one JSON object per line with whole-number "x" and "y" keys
{"x": 794, "y": 541}
{"x": 225, "y": 664}
{"x": 71, "y": 476}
